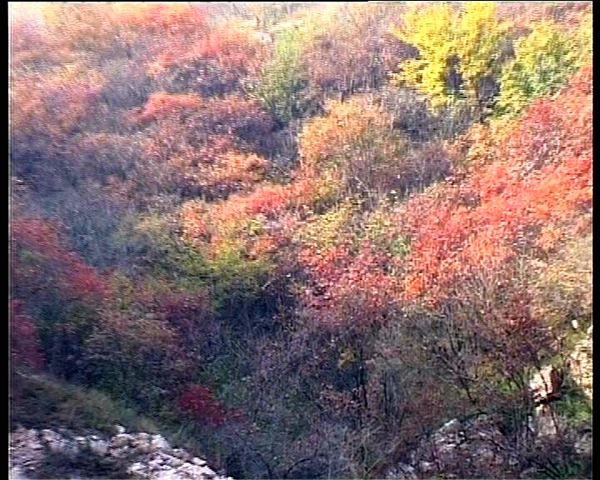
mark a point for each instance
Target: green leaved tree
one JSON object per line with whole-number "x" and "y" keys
{"x": 282, "y": 79}
{"x": 543, "y": 62}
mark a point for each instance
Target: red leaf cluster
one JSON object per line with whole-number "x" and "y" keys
{"x": 198, "y": 402}
{"x": 24, "y": 341}
{"x": 188, "y": 314}
{"x": 540, "y": 175}
{"x": 63, "y": 271}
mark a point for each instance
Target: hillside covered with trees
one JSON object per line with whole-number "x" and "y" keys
{"x": 300, "y": 237}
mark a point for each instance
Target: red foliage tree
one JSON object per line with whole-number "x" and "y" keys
{"x": 41, "y": 264}
{"x": 539, "y": 175}
{"x": 350, "y": 291}
{"x": 190, "y": 315}
{"x": 197, "y": 401}
{"x": 207, "y": 145}
{"x": 24, "y": 341}
{"x": 225, "y": 60}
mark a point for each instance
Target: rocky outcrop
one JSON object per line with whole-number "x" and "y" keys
{"x": 581, "y": 363}
{"x": 548, "y": 385}
{"x": 34, "y": 453}
{"x": 476, "y": 447}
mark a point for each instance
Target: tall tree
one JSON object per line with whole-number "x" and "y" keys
{"x": 543, "y": 61}
{"x": 459, "y": 51}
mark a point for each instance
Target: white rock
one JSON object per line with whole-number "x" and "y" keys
{"x": 15, "y": 473}
{"x": 121, "y": 440}
{"x": 451, "y": 426}
{"x": 191, "y": 471}
{"x": 67, "y": 448}
{"x": 168, "y": 475}
{"x": 27, "y": 439}
{"x": 50, "y": 436}
{"x": 180, "y": 453}
{"x": 151, "y": 456}
{"x": 159, "y": 443}
{"x": 120, "y": 452}
{"x": 58, "y": 444}
{"x": 447, "y": 448}
{"x": 98, "y": 447}
{"x": 143, "y": 448}
{"x": 137, "y": 467}
{"x": 156, "y": 463}
{"x": 119, "y": 429}
{"x": 23, "y": 436}
{"x": 174, "y": 462}
{"x": 583, "y": 446}
{"x": 205, "y": 471}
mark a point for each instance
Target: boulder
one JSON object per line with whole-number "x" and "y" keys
{"x": 98, "y": 447}
{"x": 159, "y": 443}
{"x": 174, "y": 462}
{"x": 122, "y": 440}
{"x": 583, "y": 446}
{"x": 56, "y": 443}
{"x": 181, "y": 454}
{"x": 475, "y": 446}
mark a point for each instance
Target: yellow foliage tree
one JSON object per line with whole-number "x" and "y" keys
{"x": 459, "y": 51}
{"x": 431, "y": 32}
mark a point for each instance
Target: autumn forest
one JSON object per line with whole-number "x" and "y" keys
{"x": 298, "y": 238}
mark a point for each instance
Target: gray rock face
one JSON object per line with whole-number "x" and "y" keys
{"x": 26, "y": 446}
{"x": 141, "y": 455}
{"x": 56, "y": 443}
{"x": 475, "y": 447}
{"x": 581, "y": 363}
{"x": 121, "y": 440}
{"x": 98, "y": 447}
{"x": 478, "y": 448}
{"x": 159, "y": 443}
{"x": 584, "y": 445}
